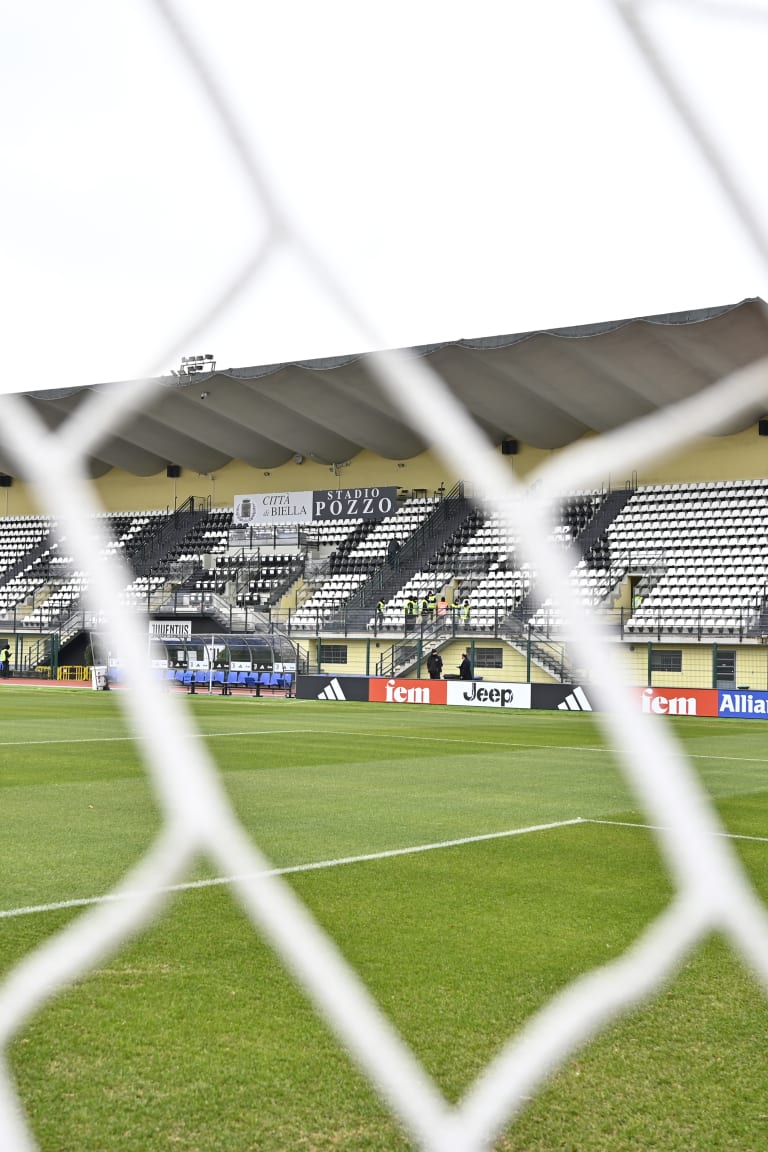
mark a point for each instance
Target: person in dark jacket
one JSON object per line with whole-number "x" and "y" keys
{"x": 465, "y": 668}
{"x": 434, "y": 665}
{"x": 393, "y": 552}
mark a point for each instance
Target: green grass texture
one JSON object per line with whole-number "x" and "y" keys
{"x": 194, "y": 1038}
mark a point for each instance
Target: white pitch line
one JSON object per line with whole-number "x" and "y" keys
{"x": 216, "y": 881}
{"x": 664, "y": 828}
{"x": 189, "y": 736}
{"x": 437, "y": 739}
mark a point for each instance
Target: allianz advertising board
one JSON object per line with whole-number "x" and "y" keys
{"x": 742, "y": 705}
{"x": 482, "y": 694}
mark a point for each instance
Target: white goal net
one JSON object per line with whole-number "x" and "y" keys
{"x": 711, "y": 890}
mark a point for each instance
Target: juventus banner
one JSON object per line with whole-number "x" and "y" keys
{"x": 273, "y": 508}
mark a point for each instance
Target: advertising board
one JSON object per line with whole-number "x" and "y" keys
{"x": 482, "y": 694}
{"x": 563, "y": 697}
{"x": 736, "y": 704}
{"x": 679, "y": 701}
{"x": 332, "y": 688}
{"x": 743, "y": 705}
{"x": 393, "y": 691}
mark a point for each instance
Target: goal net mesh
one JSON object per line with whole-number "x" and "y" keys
{"x": 711, "y": 889}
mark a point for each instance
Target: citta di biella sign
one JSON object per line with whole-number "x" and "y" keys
{"x": 257, "y": 508}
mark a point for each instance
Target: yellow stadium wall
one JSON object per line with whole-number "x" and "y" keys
{"x": 119, "y": 491}
{"x": 741, "y": 456}
{"x": 697, "y": 665}
{"x": 697, "y": 662}
{"x": 365, "y": 654}
{"x": 17, "y": 501}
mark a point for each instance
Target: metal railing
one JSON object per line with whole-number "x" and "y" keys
{"x": 416, "y": 552}
{"x": 171, "y": 531}
{"x": 343, "y": 620}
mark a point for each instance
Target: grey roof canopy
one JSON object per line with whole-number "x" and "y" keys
{"x": 544, "y": 388}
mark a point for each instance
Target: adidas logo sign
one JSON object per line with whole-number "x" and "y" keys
{"x": 576, "y": 701}
{"x": 332, "y": 691}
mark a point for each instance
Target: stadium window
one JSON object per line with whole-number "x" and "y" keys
{"x": 667, "y": 660}
{"x": 489, "y": 657}
{"x": 334, "y": 653}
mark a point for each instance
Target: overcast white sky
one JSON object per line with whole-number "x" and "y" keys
{"x": 466, "y": 169}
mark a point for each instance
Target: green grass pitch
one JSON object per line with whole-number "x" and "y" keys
{"x": 193, "y": 1038}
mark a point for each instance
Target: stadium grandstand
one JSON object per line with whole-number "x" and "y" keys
{"x": 291, "y": 515}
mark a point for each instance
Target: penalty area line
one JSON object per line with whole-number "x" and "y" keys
{"x": 315, "y": 866}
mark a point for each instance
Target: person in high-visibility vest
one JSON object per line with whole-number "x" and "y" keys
{"x": 411, "y": 610}
{"x": 464, "y": 611}
{"x": 428, "y": 606}
{"x": 380, "y": 613}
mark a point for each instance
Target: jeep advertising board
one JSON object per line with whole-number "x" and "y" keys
{"x": 481, "y": 694}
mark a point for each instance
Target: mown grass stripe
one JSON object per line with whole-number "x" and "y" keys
{"x": 373, "y": 734}
{"x": 313, "y": 866}
{"x": 665, "y": 828}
